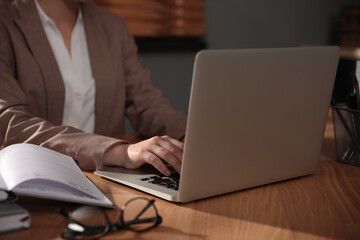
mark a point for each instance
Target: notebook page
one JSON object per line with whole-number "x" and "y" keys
{"x": 3, "y": 184}
{"x": 23, "y": 162}
{"x": 58, "y": 191}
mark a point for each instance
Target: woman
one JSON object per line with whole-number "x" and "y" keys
{"x": 69, "y": 74}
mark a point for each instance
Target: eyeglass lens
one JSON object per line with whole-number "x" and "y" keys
{"x": 87, "y": 223}
{"x": 139, "y": 214}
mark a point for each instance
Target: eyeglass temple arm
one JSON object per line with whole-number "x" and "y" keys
{"x": 151, "y": 202}
{"x": 143, "y": 220}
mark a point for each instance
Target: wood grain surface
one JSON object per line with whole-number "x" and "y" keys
{"x": 325, "y": 205}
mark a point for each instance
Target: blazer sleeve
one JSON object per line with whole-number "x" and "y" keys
{"x": 148, "y": 111}
{"x": 18, "y": 125}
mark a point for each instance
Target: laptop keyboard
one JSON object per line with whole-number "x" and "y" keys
{"x": 171, "y": 182}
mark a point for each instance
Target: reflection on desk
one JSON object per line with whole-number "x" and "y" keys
{"x": 325, "y": 205}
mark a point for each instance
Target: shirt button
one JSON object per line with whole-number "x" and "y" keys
{"x": 79, "y": 97}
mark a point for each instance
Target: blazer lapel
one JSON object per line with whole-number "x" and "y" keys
{"x": 30, "y": 24}
{"x": 102, "y": 68}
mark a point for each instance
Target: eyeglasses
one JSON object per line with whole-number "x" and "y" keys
{"x": 87, "y": 222}
{"x": 7, "y": 196}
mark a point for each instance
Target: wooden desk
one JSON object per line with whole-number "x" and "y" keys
{"x": 325, "y": 205}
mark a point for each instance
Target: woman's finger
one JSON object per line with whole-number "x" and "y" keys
{"x": 154, "y": 160}
{"x": 174, "y": 146}
{"x": 167, "y": 156}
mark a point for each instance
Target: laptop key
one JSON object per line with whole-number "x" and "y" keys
{"x": 171, "y": 182}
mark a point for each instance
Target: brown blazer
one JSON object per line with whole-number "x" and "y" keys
{"x": 32, "y": 90}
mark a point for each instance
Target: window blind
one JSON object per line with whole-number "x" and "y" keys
{"x": 160, "y": 18}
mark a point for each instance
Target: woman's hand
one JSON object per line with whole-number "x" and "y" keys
{"x": 156, "y": 151}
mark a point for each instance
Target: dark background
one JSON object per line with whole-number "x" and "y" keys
{"x": 246, "y": 24}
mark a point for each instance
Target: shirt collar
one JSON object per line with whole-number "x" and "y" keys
{"x": 45, "y": 19}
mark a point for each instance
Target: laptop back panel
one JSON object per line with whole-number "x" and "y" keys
{"x": 256, "y": 116}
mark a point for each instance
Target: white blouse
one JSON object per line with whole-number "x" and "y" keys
{"x": 79, "y": 106}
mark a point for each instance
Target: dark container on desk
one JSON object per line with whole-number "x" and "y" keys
{"x": 347, "y": 134}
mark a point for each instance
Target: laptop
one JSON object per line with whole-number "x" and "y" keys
{"x": 256, "y": 116}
